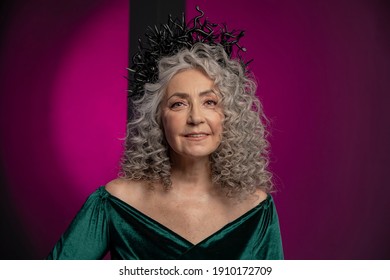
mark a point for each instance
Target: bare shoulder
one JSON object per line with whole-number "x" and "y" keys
{"x": 262, "y": 195}
{"x": 124, "y": 189}
{"x": 117, "y": 186}
{"x": 137, "y": 194}
{"x": 257, "y": 197}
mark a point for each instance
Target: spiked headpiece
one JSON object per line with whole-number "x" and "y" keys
{"x": 173, "y": 36}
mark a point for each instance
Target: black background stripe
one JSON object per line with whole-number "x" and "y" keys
{"x": 144, "y": 13}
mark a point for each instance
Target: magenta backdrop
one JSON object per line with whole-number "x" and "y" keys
{"x": 322, "y": 69}
{"x": 63, "y": 108}
{"x": 323, "y": 72}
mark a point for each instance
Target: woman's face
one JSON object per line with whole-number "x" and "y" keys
{"x": 192, "y": 115}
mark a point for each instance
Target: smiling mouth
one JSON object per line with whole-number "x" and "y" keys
{"x": 196, "y": 135}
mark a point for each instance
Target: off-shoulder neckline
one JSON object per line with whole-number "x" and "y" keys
{"x": 235, "y": 221}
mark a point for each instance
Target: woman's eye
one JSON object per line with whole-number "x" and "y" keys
{"x": 176, "y": 105}
{"x": 211, "y": 103}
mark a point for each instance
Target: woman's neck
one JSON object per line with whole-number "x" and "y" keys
{"x": 192, "y": 174}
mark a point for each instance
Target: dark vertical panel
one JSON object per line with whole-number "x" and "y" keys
{"x": 15, "y": 244}
{"x": 149, "y": 13}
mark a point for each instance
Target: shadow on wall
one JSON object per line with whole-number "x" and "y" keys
{"x": 16, "y": 245}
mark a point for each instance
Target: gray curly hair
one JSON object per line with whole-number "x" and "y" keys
{"x": 239, "y": 165}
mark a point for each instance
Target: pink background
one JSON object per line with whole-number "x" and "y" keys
{"x": 322, "y": 69}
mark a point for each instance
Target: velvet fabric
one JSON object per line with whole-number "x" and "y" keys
{"x": 106, "y": 223}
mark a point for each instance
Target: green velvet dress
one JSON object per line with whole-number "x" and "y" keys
{"x": 107, "y": 224}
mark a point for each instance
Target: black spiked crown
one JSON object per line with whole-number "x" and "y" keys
{"x": 170, "y": 38}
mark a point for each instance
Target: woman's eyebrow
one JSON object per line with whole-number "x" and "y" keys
{"x": 179, "y": 94}
{"x": 186, "y": 95}
{"x": 207, "y": 92}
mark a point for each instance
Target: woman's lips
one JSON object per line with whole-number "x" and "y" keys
{"x": 196, "y": 136}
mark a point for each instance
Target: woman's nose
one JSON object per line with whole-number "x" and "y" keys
{"x": 195, "y": 115}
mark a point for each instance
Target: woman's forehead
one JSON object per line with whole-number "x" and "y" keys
{"x": 189, "y": 81}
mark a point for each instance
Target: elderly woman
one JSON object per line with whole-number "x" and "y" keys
{"x": 194, "y": 181}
